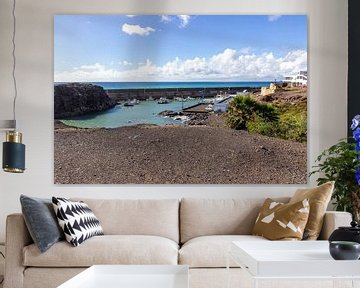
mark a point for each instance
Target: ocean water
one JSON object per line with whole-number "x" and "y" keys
{"x": 146, "y": 112}
{"x": 167, "y": 85}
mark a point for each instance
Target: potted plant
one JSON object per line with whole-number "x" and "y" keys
{"x": 341, "y": 163}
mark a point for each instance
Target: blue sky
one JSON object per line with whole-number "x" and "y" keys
{"x": 178, "y": 47}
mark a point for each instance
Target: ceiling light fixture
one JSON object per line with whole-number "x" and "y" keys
{"x": 13, "y": 149}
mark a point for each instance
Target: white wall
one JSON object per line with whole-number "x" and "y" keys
{"x": 327, "y": 92}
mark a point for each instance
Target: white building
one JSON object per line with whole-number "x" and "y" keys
{"x": 300, "y": 79}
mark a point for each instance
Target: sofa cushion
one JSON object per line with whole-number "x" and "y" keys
{"x": 319, "y": 198}
{"x": 279, "y": 221}
{"x": 41, "y": 221}
{"x": 158, "y": 217}
{"x": 107, "y": 249}
{"x": 76, "y": 220}
{"x": 211, "y": 251}
{"x": 201, "y": 217}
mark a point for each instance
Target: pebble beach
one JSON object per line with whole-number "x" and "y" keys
{"x": 150, "y": 154}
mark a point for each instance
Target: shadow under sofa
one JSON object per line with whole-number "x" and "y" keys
{"x": 190, "y": 231}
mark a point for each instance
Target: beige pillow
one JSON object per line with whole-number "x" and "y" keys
{"x": 279, "y": 221}
{"x": 319, "y": 198}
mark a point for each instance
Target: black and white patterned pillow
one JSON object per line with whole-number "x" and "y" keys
{"x": 77, "y": 220}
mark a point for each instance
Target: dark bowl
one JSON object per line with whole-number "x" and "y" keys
{"x": 344, "y": 250}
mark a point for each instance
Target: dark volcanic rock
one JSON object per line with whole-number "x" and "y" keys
{"x": 198, "y": 118}
{"x": 74, "y": 99}
{"x": 170, "y": 113}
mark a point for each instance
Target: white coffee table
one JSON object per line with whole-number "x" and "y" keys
{"x": 292, "y": 260}
{"x": 131, "y": 276}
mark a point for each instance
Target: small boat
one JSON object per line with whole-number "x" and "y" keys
{"x": 163, "y": 100}
{"x": 180, "y": 99}
{"x": 134, "y": 102}
{"x": 128, "y": 104}
{"x": 209, "y": 108}
{"x": 209, "y": 100}
{"x": 219, "y": 98}
{"x": 181, "y": 118}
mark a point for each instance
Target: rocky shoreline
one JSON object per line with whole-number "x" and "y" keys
{"x": 75, "y": 99}
{"x": 187, "y": 118}
{"x": 150, "y": 154}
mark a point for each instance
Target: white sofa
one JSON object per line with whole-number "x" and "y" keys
{"x": 194, "y": 232}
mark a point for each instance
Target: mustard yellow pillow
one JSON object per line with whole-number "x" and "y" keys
{"x": 279, "y": 221}
{"x": 319, "y": 198}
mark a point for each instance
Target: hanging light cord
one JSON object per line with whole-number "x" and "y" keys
{"x": 14, "y": 61}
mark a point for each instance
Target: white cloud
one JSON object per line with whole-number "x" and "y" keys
{"x": 125, "y": 63}
{"x": 136, "y": 29}
{"x": 273, "y": 18}
{"x": 165, "y": 18}
{"x": 184, "y": 20}
{"x": 91, "y": 67}
{"x": 86, "y": 73}
{"x": 228, "y": 65}
{"x": 130, "y": 16}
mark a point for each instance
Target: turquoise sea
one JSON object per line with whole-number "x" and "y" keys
{"x": 146, "y": 112}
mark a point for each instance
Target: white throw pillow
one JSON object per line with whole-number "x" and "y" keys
{"x": 76, "y": 220}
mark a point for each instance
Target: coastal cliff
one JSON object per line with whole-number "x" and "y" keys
{"x": 74, "y": 99}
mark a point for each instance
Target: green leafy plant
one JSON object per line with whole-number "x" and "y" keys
{"x": 244, "y": 109}
{"x": 286, "y": 121}
{"x": 290, "y": 126}
{"x": 340, "y": 163}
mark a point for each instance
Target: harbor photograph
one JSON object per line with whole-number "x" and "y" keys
{"x": 180, "y": 99}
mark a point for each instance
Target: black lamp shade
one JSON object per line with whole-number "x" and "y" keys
{"x": 13, "y": 157}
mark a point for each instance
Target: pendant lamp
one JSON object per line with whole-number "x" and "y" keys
{"x": 13, "y": 149}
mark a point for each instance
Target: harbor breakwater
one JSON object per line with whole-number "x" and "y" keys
{"x": 171, "y": 93}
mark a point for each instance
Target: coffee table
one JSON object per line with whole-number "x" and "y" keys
{"x": 293, "y": 260}
{"x": 131, "y": 276}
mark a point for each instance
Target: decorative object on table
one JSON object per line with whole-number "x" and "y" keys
{"x": 279, "y": 221}
{"x": 176, "y": 107}
{"x": 13, "y": 149}
{"x": 341, "y": 163}
{"x": 77, "y": 220}
{"x": 41, "y": 221}
{"x": 344, "y": 250}
{"x": 351, "y": 233}
{"x": 319, "y": 198}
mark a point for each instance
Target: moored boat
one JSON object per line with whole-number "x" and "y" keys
{"x": 134, "y": 101}
{"x": 128, "y": 104}
{"x": 163, "y": 100}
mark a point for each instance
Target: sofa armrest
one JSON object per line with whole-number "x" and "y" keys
{"x": 333, "y": 220}
{"x": 17, "y": 237}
